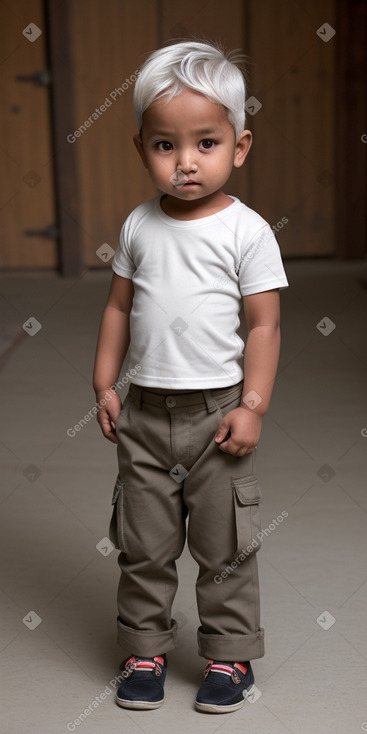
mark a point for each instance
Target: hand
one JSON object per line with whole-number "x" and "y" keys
{"x": 108, "y": 413}
{"x": 244, "y": 427}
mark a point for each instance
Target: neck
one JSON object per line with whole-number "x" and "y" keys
{"x": 204, "y": 207}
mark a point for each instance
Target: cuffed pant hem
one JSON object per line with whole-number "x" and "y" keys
{"x": 144, "y": 643}
{"x": 234, "y": 648}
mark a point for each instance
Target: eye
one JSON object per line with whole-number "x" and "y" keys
{"x": 207, "y": 144}
{"x": 164, "y": 145}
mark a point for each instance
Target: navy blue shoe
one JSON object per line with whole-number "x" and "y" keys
{"x": 143, "y": 682}
{"x": 225, "y": 687}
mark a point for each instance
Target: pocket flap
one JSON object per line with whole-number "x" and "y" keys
{"x": 117, "y": 488}
{"x": 248, "y": 490}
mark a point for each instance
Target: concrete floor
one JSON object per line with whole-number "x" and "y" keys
{"x": 55, "y": 508}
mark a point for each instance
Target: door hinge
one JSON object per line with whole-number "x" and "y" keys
{"x": 50, "y": 232}
{"x": 39, "y": 78}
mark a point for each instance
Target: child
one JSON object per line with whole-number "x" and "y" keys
{"x": 189, "y": 425}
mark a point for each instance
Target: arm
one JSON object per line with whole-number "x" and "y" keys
{"x": 113, "y": 343}
{"x": 262, "y": 312}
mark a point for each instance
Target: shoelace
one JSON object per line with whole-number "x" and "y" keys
{"x": 143, "y": 664}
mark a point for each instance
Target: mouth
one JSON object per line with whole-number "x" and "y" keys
{"x": 179, "y": 180}
{"x": 186, "y": 184}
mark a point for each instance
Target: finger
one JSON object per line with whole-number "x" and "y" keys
{"x": 111, "y": 437}
{"x": 223, "y": 447}
{"x": 108, "y": 429}
{"x": 109, "y": 432}
{"x": 230, "y": 447}
{"x": 222, "y": 433}
{"x": 244, "y": 451}
{"x": 227, "y": 447}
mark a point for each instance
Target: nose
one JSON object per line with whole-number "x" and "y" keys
{"x": 186, "y": 161}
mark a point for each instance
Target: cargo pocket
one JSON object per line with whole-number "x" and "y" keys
{"x": 247, "y": 496}
{"x": 116, "y": 532}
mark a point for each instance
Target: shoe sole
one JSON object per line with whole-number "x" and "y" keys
{"x": 212, "y": 708}
{"x": 126, "y": 704}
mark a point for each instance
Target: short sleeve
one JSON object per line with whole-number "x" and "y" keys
{"x": 261, "y": 267}
{"x": 123, "y": 263}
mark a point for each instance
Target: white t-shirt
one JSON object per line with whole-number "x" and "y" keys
{"x": 189, "y": 278}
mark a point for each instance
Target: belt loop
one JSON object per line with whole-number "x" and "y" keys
{"x": 210, "y": 402}
{"x": 137, "y": 391}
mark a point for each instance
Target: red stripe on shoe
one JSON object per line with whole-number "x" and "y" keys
{"x": 158, "y": 659}
{"x": 147, "y": 665}
{"x": 240, "y": 667}
{"x": 218, "y": 668}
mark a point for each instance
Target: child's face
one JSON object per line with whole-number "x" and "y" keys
{"x": 193, "y": 136}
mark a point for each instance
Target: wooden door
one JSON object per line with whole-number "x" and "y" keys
{"x": 26, "y": 183}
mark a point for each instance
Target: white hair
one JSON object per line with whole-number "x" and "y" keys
{"x": 203, "y": 67}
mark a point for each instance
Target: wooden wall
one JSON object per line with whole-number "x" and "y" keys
{"x": 113, "y": 178}
{"x": 27, "y": 199}
{"x": 292, "y": 160}
{"x": 291, "y": 171}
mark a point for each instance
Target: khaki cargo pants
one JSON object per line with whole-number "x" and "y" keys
{"x": 170, "y": 468}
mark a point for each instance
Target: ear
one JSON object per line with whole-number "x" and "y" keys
{"x": 139, "y": 147}
{"x": 243, "y": 145}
